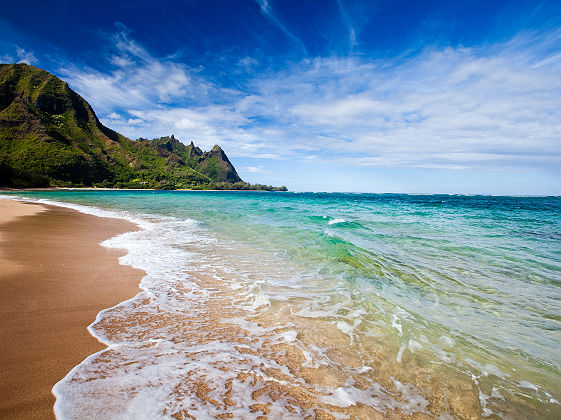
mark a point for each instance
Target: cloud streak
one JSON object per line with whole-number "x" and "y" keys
{"x": 478, "y": 108}
{"x": 137, "y": 79}
{"x": 457, "y": 108}
{"x": 22, "y": 56}
{"x": 267, "y": 11}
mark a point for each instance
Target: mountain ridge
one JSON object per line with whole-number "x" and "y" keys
{"x": 50, "y": 136}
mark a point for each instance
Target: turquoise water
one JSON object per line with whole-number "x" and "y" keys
{"x": 451, "y": 305}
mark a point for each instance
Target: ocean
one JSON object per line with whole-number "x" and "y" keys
{"x": 290, "y": 305}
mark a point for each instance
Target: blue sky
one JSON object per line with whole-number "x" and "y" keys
{"x": 370, "y": 96}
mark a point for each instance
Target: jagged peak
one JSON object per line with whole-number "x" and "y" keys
{"x": 99, "y": 155}
{"x": 194, "y": 150}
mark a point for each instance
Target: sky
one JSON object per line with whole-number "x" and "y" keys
{"x": 334, "y": 95}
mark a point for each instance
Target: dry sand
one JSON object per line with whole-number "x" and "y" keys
{"x": 54, "y": 279}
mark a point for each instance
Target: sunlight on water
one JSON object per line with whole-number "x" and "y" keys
{"x": 327, "y": 305}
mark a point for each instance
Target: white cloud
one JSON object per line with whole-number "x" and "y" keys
{"x": 248, "y": 63}
{"x": 137, "y": 79}
{"x": 268, "y": 12}
{"x": 455, "y": 108}
{"x": 348, "y": 23}
{"x": 22, "y": 56}
{"x": 256, "y": 170}
{"x": 26, "y": 56}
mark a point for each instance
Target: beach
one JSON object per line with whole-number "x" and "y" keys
{"x": 55, "y": 279}
{"x": 280, "y": 305}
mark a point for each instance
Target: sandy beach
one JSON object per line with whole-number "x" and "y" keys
{"x": 55, "y": 278}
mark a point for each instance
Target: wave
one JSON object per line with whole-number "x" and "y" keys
{"x": 332, "y": 326}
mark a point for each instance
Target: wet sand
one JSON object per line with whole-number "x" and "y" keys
{"x": 54, "y": 279}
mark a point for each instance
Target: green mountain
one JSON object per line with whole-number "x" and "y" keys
{"x": 50, "y": 136}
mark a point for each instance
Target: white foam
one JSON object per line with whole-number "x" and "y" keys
{"x": 307, "y": 313}
{"x": 258, "y": 301}
{"x": 147, "y": 360}
{"x": 235, "y": 285}
{"x": 416, "y": 403}
{"x": 289, "y": 336}
{"x": 483, "y": 401}
{"x": 496, "y": 394}
{"x": 340, "y": 397}
{"x": 396, "y": 324}
{"x": 378, "y": 397}
{"x": 309, "y": 361}
{"x": 348, "y": 329}
{"x": 400, "y": 353}
{"x": 94, "y": 211}
{"x": 344, "y": 327}
{"x": 448, "y": 341}
{"x": 528, "y": 385}
{"x": 489, "y": 369}
{"x": 335, "y": 221}
{"x": 412, "y": 345}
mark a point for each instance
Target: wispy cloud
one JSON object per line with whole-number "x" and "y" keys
{"x": 456, "y": 108}
{"x": 137, "y": 79}
{"x": 267, "y": 11}
{"x": 349, "y": 25}
{"x": 26, "y": 56}
{"x": 21, "y": 56}
{"x": 256, "y": 170}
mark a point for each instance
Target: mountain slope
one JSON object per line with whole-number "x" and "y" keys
{"x": 50, "y": 136}
{"x": 214, "y": 164}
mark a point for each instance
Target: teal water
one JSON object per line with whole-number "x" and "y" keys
{"x": 438, "y": 305}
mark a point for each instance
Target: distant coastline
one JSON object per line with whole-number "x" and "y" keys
{"x": 8, "y": 189}
{"x": 51, "y": 137}
{"x": 127, "y": 189}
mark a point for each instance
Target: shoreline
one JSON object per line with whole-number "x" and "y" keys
{"x": 118, "y": 189}
{"x": 221, "y": 320}
{"x": 290, "y": 191}
{"x": 55, "y": 279}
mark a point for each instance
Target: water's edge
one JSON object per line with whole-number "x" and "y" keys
{"x": 227, "y": 325}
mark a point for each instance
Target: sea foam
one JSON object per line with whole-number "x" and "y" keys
{"x": 224, "y": 323}
{"x": 159, "y": 339}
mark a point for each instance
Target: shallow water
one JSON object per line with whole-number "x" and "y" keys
{"x": 290, "y": 305}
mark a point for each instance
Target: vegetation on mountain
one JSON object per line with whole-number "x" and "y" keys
{"x": 50, "y": 136}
